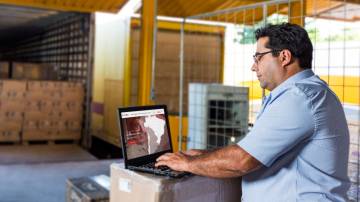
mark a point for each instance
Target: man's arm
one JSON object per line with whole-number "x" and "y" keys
{"x": 230, "y": 161}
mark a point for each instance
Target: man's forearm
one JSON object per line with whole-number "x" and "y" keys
{"x": 222, "y": 163}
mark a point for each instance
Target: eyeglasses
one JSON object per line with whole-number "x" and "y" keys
{"x": 257, "y": 57}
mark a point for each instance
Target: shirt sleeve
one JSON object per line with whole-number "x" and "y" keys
{"x": 285, "y": 122}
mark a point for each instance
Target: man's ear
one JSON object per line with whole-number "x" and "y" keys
{"x": 285, "y": 57}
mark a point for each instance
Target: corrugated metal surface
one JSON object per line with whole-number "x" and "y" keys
{"x": 71, "y": 5}
{"x": 186, "y": 8}
{"x": 17, "y": 22}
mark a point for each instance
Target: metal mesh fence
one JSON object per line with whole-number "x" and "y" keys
{"x": 333, "y": 27}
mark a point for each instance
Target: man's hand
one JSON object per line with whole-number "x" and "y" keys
{"x": 195, "y": 152}
{"x": 177, "y": 161}
{"x": 230, "y": 161}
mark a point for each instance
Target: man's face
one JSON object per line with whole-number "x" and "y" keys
{"x": 266, "y": 66}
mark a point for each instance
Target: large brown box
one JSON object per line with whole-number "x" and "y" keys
{"x": 46, "y": 85}
{"x": 56, "y": 115}
{"x": 47, "y": 124}
{"x": 65, "y": 135}
{"x": 33, "y": 105}
{"x": 31, "y": 124}
{"x": 12, "y": 95}
{"x": 127, "y": 185}
{"x": 71, "y": 115}
{"x": 73, "y": 96}
{"x": 29, "y": 134}
{"x": 71, "y": 86}
{"x": 43, "y": 95}
{"x": 4, "y": 69}
{"x": 9, "y": 135}
{"x": 12, "y": 85}
{"x": 33, "y": 115}
{"x": 59, "y": 105}
{"x": 85, "y": 189}
{"x": 73, "y": 125}
{"x": 11, "y": 116}
{"x": 12, "y": 105}
{"x": 48, "y": 105}
{"x": 10, "y": 125}
{"x": 34, "y": 71}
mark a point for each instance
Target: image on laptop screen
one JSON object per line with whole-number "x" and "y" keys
{"x": 145, "y": 132}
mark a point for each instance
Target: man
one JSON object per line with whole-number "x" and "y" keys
{"x": 298, "y": 147}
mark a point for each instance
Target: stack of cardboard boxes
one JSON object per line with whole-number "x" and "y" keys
{"x": 40, "y": 110}
{"x": 33, "y": 71}
{"x": 12, "y": 108}
{"x": 4, "y": 69}
{"x": 54, "y": 111}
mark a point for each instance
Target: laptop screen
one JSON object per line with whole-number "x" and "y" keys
{"x": 145, "y": 132}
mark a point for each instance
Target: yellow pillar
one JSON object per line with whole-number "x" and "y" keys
{"x": 297, "y": 12}
{"x": 127, "y": 71}
{"x": 145, "y": 53}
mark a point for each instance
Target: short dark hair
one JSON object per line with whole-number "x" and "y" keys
{"x": 291, "y": 37}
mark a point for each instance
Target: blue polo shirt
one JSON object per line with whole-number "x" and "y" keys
{"x": 302, "y": 139}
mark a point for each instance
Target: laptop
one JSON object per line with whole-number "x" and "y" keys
{"x": 145, "y": 136}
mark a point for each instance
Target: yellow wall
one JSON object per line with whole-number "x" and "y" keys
{"x": 346, "y": 88}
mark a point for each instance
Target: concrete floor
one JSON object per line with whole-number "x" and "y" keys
{"x": 38, "y": 173}
{"x": 19, "y": 154}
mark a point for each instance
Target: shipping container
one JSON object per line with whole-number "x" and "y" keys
{"x": 46, "y": 64}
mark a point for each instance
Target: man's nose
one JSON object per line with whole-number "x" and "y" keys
{"x": 254, "y": 67}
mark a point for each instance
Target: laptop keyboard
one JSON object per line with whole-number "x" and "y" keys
{"x": 152, "y": 166}
{"x": 160, "y": 170}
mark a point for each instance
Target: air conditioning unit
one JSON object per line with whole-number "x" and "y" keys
{"x": 217, "y": 115}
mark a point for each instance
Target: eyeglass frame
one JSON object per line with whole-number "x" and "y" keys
{"x": 261, "y": 54}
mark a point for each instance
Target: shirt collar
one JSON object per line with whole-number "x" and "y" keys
{"x": 291, "y": 80}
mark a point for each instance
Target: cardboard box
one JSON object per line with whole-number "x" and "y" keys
{"x": 59, "y": 105}
{"x": 9, "y": 135}
{"x": 11, "y": 116}
{"x": 47, "y": 125}
{"x": 33, "y": 105}
{"x": 72, "y": 86}
{"x": 10, "y": 125}
{"x": 59, "y": 125}
{"x": 12, "y": 85}
{"x": 65, "y": 135}
{"x": 133, "y": 186}
{"x": 34, "y": 115}
{"x": 77, "y": 96}
{"x": 12, "y": 105}
{"x": 31, "y": 125}
{"x": 73, "y": 125}
{"x": 29, "y": 135}
{"x": 44, "y": 85}
{"x": 43, "y": 95}
{"x": 54, "y": 114}
{"x": 69, "y": 115}
{"x": 34, "y": 71}
{"x": 12, "y": 95}
{"x": 50, "y": 105}
{"x": 4, "y": 69}
{"x": 74, "y": 106}
{"x": 85, "y": 189}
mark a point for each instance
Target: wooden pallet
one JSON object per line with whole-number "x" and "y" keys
{"x": 50, "y": 142}
{"x": 9, "y": 143}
